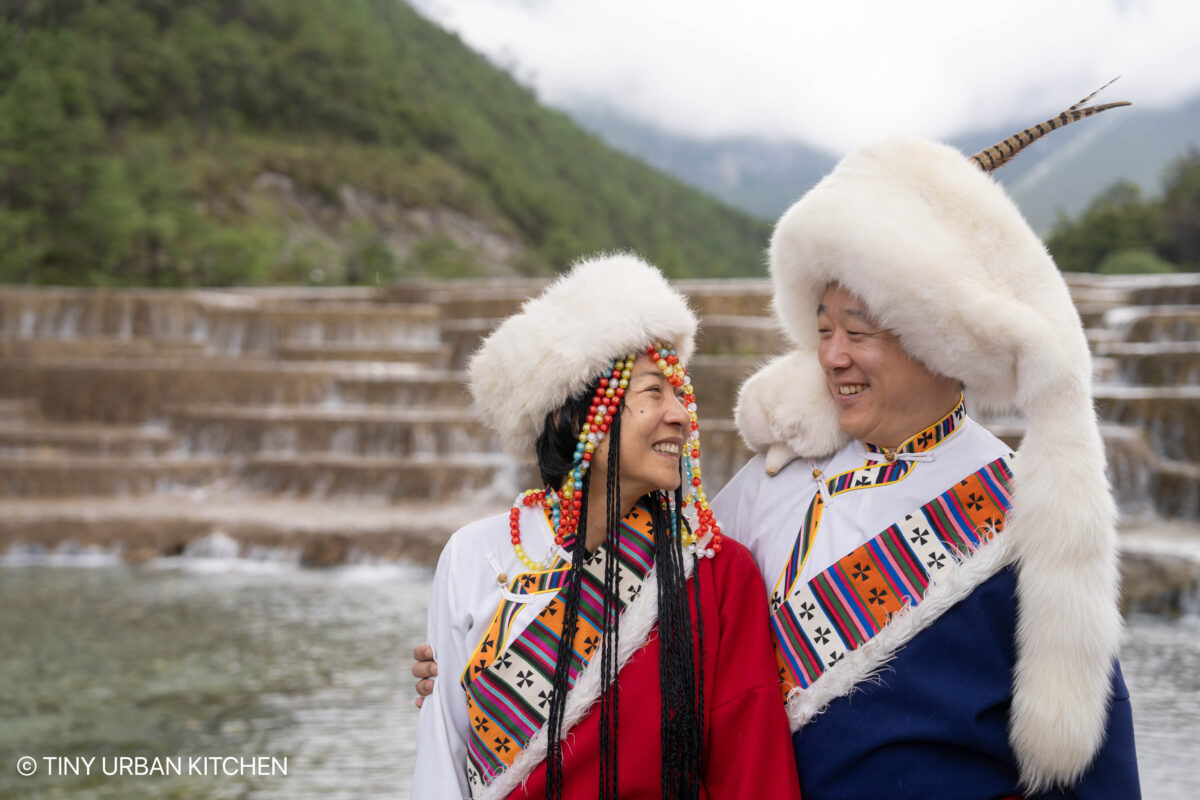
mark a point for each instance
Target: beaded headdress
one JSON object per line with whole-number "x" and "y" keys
{"x": 561, "y": 343}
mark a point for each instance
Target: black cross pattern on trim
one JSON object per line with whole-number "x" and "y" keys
{"x": 974, "y": 501}
{"x": 863, "y": 480}
{"x": 822, "y": 636}
{"x": 545, "y": 697}
{"x": 835, "y": 658}
{"x": 807, "y": 609}
{"x": 525, "y": 678}
{"x": 505, "y": 660}
{"x": 937, "y": 560}
{"x": 996, "y": 524}
{"x": 861, "y": 571}
{"x": 924, "y": 438}
{"x": 550, "y": 610}
{"x": 876, "y": 597}
{"x": 502, "y": 743}
{"x": 481, "y": 724}
{"x": 918, "y": 536}
{"x": 488, "y": 643}
{"x": 590, "y": 644}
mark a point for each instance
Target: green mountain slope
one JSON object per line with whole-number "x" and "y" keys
{"x": 167, "y": 142}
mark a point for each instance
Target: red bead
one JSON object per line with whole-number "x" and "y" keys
{"x": 608, "y": 418}
{"x": 695, "y": 481}
{"x": 695, "y": 425}
{"x": 604, "y": 381}
{"x": 716, "y": 547}
{"x": 672, "y": 359}
{"x": 619, "y": 392}
{"x": 587, "y": 456}
{"x": 716, "y": 530}
{"x": 695, "y": 454}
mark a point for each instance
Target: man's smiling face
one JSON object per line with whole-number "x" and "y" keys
{"x": 883, "y": 395}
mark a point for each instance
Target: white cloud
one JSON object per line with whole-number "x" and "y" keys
{"x": 835, "y": 74}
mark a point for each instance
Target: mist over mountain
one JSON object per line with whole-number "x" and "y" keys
{"x": 1061, "y": 173}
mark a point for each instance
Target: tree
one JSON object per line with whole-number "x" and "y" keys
{"x": 1181, "y": 210}
{"x": 1118, "y": 219}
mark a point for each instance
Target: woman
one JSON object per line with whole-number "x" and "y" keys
{"x": 593, "y": 641}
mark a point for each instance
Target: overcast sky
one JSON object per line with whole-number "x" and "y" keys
{"x": 835, "y": 74}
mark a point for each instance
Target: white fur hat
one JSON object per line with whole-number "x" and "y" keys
{"x": 940, "y": 255}
{"x": 560, "y": 342}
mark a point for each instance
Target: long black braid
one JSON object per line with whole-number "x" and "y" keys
{"x": 612, "y": 618}
{"x": 566, "y": 653}
{"x": 682, "y": 698}
{"x": 680, "y": 673}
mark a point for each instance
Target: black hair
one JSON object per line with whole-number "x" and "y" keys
{"x": 680, "y": 675}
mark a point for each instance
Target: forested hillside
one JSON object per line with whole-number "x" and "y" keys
{"x": 1123, "y": 230}
{"x": 204, "y": 142}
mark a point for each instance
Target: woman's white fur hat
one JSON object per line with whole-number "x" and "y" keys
{"x": 560, "y": 342}
{"x": 942, "y": 257}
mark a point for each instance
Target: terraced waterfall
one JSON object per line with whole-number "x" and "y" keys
{"x": 331, "y": 424}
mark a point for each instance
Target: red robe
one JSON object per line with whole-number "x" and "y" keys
{"x": 747, "y": 744}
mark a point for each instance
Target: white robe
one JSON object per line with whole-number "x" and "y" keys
{"x": 767, "y": 513}
{"x": 466, "y": 592}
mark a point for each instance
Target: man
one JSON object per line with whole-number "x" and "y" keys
{"x": 944, "y": 612}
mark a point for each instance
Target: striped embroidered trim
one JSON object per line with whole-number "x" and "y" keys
{"x": 509, "y": 688}
{"x": 870, "y": 475}
{"x": 846, "y": 605}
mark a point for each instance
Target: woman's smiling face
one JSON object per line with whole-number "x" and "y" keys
{"x": 654, "y": 429}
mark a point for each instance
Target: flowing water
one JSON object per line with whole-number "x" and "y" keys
{"x": 194, "y": 657}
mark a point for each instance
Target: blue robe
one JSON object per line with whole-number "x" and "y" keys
{"x": 935, "y": 727}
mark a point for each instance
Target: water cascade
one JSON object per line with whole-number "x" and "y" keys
{"x": 335, "y": 422}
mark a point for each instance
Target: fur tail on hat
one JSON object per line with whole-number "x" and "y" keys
{"x": 1069, "y": 626}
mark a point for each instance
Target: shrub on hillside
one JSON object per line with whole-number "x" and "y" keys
{"x": 1134, "y": 262}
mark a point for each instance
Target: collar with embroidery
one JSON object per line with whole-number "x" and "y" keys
{"x": 929, "y": 438}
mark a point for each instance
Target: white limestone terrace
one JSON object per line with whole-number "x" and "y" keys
{"x": 334, "y": 421}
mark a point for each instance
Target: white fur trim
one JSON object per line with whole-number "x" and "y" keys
{"x": 940, "y": 255}
{"x": 603, "y": 308}
{"x": 1069, "y": 626}
{"x": 636, "y": 624}
{"x": 861, "y": 664}
{"x": 788, "y": 402}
